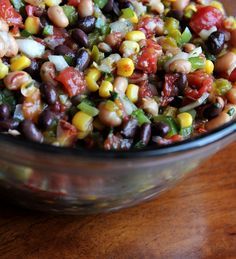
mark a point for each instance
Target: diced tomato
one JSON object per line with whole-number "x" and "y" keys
{"x": 232, "y": 76}
{"x": 74, "y": 2}
{"x": 169, "y": 89}
{"x": 205, "y": 18}
{"x": 147, "y": 60}
{"x": 58, "y": 38}
{"x": 149, "y": 25}
{"x": 9, "y": 14}
{"x": 144, "y": 90}
{"x": 199, "y": 83}
{"x": 66, "y": 133}
{"x": 32, "y": 106}
{"x": 72, "y": 80}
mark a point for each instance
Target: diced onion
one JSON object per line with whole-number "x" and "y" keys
{"x": 195, "y": 104}
{"x": 58, "y": 61}
{"x": 195, "y": 53}
{"x": 31, "y": 48}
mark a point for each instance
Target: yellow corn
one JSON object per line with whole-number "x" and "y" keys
{"x": 105, "y": 88}
{"x": 91, "y": 78}
{"x": 209, "y": 67}
{"x": 82, "y": 134}
{"x": 135, "y": 36}
{"x": 132, "y": 92}
{"x": 125, "y": 67}
{"x": 185, "y": 119}
{"x": 32, "y": 24}
{"x": 52, "y": 2}
{"x": 129, "y": 48}
{"x": 82, "y": 121}
{"x": 3, "y": 70}
{"x": 133, "y": 19}
{"x": 19, "y": 63}
{"x": 218, "y": 5}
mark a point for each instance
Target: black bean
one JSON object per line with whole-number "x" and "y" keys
{"x": 178, "y": 15}
{"x": 108, "y": 7}
{"x": 160, "y": 129}
{"x": 44, "y": 20}
{"x": 76, "y": 99}
{"x": 46, "y": 119}
{"x": 87, "y": 24}
{"x": 130, "y": 128}
{"x": 116, "y": 8}
{"x": 29, "y": 131}
{"x": 177, "y": 102}
{"x": 82, "y": 59}
{"x": 34, "y": 69}
{"x": 125, "y": 4}
{"x": 5, "y": 125}
{"x": 215, "y": 42}
{"x": 80, "y": 37}
{"x": 211, "y": 111}
{"x": 4, "y": 111}
{"x": 145, "y": 133}
{"x": 64, "y": 50}
{"x": 181, "y": 83}
{"x": 49, "y": 93}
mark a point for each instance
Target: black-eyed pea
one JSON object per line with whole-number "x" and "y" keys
{"x": 225, "y": 63}
{"x": 85, "y": 8}
{"x": 189, "y": 47}
{"x": 48, "y": 73}
{"x": 220, "y": 120}
{"x": 14, "y": 80}
{"x": 180, "y": 66}
{"x": 231, "y": 96}
{"x": 180, "y": 5}
{"x": 57, "y": 16}
{"x": 156, "y": 6}
{"x": 108, "y": 116}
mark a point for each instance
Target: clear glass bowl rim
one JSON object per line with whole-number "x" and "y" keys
{"x": 186, "y": 145}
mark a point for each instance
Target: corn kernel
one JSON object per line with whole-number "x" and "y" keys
{"x": 132, "y": 92}
{"x": 135, "y": 36}
{"x": 105, "y": 89}
{"x": 3, "y": 70}
{"x": 82, "y": 121}
{"x": 218, "y": 5}
{"x": 20, "y": 63}
{"x": 32, "y": 24}
{"x": 209, "y": 67}
{"x": 185, "y": 119}
{"x": 125, "y": 67}
{"x": 91, "y": 78}
{"x": 129, "y": 48}
{"x": 52, "y": 2}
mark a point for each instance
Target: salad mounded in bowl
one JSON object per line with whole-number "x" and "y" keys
{"x": 115, "y": 75}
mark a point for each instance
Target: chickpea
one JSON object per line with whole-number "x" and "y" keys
{"x": 14, "y": 80}
{"x": 150, "y": 106}
{"x": 218, "y": 121}
{"x": 120, "y": 85}
{"x": 233, "y": 38}
{"x": 225, "y": 62}
{"x": 180, "y": 66}
{"x": 189, "y": 47}
{"x": 108, "y": 117}
{"x": 57, "y": 16}
{"x": 3, "y": 48}
{"x": 3, "y": 26}
{"x": 48, "y": 73}
{"x": 12, "y": 46}
{"x": 180, "y": 5}
{"x": 85, "y": 8}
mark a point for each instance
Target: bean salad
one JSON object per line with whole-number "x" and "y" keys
{"x": 115, "y": 74}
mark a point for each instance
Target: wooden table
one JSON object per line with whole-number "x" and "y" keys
{"x": 197, "y": 219}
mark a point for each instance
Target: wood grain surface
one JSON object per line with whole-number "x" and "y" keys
{"x": 196, "y": 219}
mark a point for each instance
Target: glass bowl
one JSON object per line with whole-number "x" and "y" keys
{"x": 69, "y": 181}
